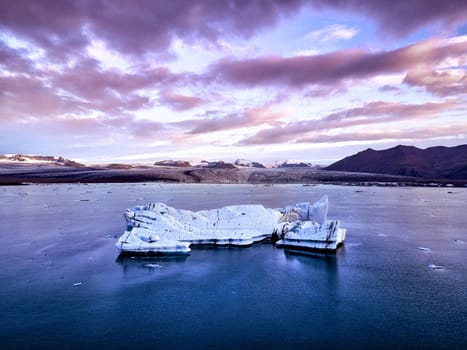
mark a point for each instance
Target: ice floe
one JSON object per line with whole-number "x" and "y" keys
{"x": 158, "y": 228}
{"x": 425, "y": 249}
{"x": 435, "y": 267}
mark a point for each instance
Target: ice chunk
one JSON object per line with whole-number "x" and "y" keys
{"x": 424, "y": 249}
{"x": 435, "y": 267}
{"x": 316, "y": 212}
{"x": 153, "y": 266}
{"x": 158, "y": 228}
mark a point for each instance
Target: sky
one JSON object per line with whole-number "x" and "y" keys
{"x": 136, "y": 81}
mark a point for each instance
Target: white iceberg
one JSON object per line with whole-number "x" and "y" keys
{"x": 158, "y": 228}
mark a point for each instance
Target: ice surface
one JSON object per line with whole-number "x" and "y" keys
{"x": 158, "y": 228}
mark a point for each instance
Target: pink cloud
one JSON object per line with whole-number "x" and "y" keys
{"x": 331, "y": 68}
{"x": 100, "y": 128}
{"x": 371, "y": 113}
{"x": 247, "y": 118}
{"x": 181, "y": 102}
{"x": 82, "y": 89}
{"x": 22, "y": 98}
{"x": 443, "y": 83}
{"x": 417, "y": 134}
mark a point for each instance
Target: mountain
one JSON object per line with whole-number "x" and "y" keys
{"x": 24, "y": 158}
{"x": 292, "y": 164}
{"x": 175, "y": 163}
{"x": 430, "y": 163}
{"x": 248, "y": 163}
{"x": 217, "y": 165}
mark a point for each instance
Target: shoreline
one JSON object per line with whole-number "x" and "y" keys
{"x": 25, "y": 175}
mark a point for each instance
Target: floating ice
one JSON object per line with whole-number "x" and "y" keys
{"x": 435, "y": 267}
{"x": 158, "y": 228}
{"x": 153, "y": 265}
{"x": 424, "y": 249}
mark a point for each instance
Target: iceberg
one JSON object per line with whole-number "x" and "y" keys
{"x": 159, "y": 229}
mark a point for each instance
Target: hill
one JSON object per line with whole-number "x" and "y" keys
{"x": 35, "y": 159}
{"x": 430, "y": 163}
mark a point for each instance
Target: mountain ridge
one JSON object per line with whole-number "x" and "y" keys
{"x": 438, "y": 162}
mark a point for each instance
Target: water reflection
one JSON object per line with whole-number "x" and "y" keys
{"x": 129, "y": 261}
{"x": 315, "y": 259}
{"x": 323, "y": 264}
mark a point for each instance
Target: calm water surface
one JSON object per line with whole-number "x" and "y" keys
{"x": 377, "y": 292}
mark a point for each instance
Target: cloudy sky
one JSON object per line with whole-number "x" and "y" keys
{"x": 316, "y": 80}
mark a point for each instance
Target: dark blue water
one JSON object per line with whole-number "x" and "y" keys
{"x": 377, "y": 292}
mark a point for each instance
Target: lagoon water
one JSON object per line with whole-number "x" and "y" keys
{"x": 63, "y": 286}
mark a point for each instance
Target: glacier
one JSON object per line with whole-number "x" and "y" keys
{"x": 157, "y": 228}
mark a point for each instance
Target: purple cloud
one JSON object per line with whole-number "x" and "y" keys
{"x": 135, "y": 28}
{"x": 417, "y": 134}
{"x": 402, "y": 17}
{"x": 181, "y": 102}
{"x": 371, "y": 113}
{"x": 443, "y": 83}
{"x": 65, "y": 27}
{"x": 331, "y": 68}
{"x": 247, "y": 118}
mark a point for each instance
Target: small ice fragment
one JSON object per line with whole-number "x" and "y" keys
{"x": 153, "y": 266}
{"x": 459, "y": 241}
{"x": 77, "y": 284}
{"x": 435, "y": 267}
{"x": 424, "y": 249}
{"x": 90, "y": 258}
{"x": 110, "y": 236}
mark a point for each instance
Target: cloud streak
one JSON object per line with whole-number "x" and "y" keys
{"x": 369, "y": 114}
{"x": 252, "y": 117}
{"x": 181, "y": 102}
{"x": 331, "y": 68}
{"x": 416, "y": 134}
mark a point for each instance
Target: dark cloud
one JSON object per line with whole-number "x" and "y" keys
{"x": 371, "y": 113}
{"x": 64, "y": 27}
{"x": 331, "y": 68}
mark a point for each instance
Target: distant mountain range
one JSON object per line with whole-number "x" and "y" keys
{"x": 430, "y": 163}
{"x": 434, "y": 163}
{"x": 40, "y": 159}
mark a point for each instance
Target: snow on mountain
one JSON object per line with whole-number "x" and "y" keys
{"x": 35, "y": 159}
{"x": 248, "y": 163}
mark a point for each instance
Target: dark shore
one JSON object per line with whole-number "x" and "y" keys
{"x": 20, "y": 174}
